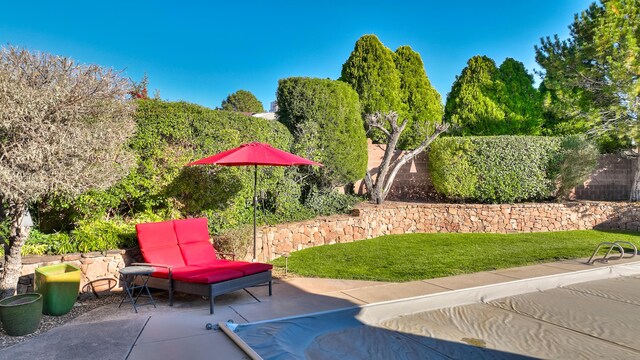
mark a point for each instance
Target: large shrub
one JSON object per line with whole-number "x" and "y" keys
{"x": 487, "y": 100}
{"x": 324, "y": 116}
{"x": 170, "y": 135}
{"x": 499, "y": 169}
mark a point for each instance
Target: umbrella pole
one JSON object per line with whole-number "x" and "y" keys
{"x": 255, "y": 206}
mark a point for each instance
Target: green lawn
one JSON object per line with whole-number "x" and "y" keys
{"x": 424, "y": 256}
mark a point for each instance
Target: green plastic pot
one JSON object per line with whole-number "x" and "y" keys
{"x": 21, "y": 314}
{"x": 59, "y": 285}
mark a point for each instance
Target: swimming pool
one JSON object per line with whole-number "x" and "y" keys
{"x": 587, "y": 314}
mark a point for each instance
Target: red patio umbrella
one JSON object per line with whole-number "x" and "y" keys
{"x": 255, "y": 154}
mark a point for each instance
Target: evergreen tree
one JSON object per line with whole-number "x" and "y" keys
{"x": 424, "y": 104}
{"x": 372, "y": 73}
{"x": 471, "y": 104}
{"x": 520, "y": 99}
{"x": 324, "y": 117}
{"x": 242, "y": 101}
{"x": 592, "y": 79}
{"x": 486, "y": 100}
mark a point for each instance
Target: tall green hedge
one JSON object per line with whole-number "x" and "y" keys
{"x": 495, "y": 169}
{"x": 324, "y": 117}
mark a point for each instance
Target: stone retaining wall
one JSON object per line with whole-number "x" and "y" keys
{"x": 100, "y": 270}
{"x": 369, "y": 221}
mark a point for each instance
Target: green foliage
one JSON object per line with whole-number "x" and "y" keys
{"x": 521, "y": 100}
{"x": 494, "y": 169}
{"x": 329, "y": 202}
{"x": 242, "y": 101}
{"x": 89, "y": 235}
{"x": 453, "y": 179}
{"x": 102, "y": 235}
{"x": 372, "y": 73}
{"x": 577, "y": 159}
{"x": 45, "y": 244}
{"x": 486, "y": 100}
{"x": 324, "y": 116}
{"x": 170, "y": 135}
{"x": 471, "y": 103}
{"x": 423, "y": 101}
{"x": 591, "y": 80}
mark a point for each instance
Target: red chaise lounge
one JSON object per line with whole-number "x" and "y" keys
{"x": 186, "y": 261}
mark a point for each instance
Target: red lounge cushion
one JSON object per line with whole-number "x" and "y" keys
{"x": 196, "y": 253}
{"x": 190, "y": 230}
{"x": 208, "y": 276}
{"x": 247, "y": 268}
{"x": 158, "y": 243}
{"x": 182, "y": 271}
{"x": 193, "y": 239}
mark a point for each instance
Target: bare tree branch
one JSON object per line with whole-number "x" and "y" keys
{"x": 379, "y": 189}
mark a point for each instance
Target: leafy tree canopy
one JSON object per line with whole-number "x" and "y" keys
{"x": 242, "y": 101}
{"x": 62, "y": 130}
{"x": 324, "y": 116}
{"x": 393, "y": 82}
{"x": 423, "y": 101}
{"x": 591, "y": 79}
{"x": 487, "y": 100}
{"x": 372, "y": 73}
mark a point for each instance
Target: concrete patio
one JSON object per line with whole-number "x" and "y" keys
{"x": 179, "y": 332}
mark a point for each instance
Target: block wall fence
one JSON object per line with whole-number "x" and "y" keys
{"x": 100, "y": 269}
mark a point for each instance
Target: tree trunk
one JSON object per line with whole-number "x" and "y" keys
{"x": 635, "y": 188}
{"x": 13, "y": 212}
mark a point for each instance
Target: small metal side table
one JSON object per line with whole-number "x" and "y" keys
{"x": 130, "y": 275}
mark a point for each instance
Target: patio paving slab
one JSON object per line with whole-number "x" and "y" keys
{"x": 211, "y": 345}
{"x": 321, "y": 286}
{"x": 527, "y": 272}
{"x": 111, "y": 339}
{"x": 184, "y": 324}
{"x": 388, "y": 292}
{"x": 465, "y": 281}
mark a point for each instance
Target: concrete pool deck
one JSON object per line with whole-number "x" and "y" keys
{"x": 179, "y": 332}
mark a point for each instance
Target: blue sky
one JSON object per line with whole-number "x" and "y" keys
{"x": 201, "y": 51}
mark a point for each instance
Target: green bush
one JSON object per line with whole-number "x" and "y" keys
{"x": 168, "y": 136}
{"x": 574, "y": 163}
{"x": 46, "y": 244}
{"x": 329, "y": 202}
{"x": 453, "y": 179}
{"x": 102, "y": 235}
{"x": 495, "y": 169}
{"x": 324, "y": 117}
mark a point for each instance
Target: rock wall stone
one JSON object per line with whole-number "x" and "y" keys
{"x": 99, "y": 269}
{"x": 369, "y": 221}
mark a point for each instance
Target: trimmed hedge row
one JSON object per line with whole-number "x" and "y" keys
{"x": 503, "y": 169}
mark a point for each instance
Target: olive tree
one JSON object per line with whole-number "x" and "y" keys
{"x": 388, "y": 169}
{"x": 63, "y": 127}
